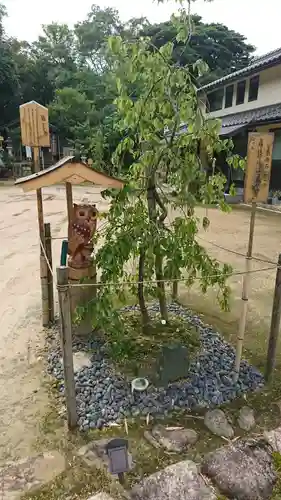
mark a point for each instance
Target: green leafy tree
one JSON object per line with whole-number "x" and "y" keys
{"x": 93, "y": 33}
{"x": 79, "y": 59}
{"x": 74, "y": 115}
{"x": 57, "y": 46}
{"x": 137, "y": 222}
{"x": 224, "y": 50}
{"x": 9, "y": 83}
{"x": 35, "y": 76}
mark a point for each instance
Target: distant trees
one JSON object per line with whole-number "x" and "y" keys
{"x": 223, "y": 50}
{"x": 71, "y": 71}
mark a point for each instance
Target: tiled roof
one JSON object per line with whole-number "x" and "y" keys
{"x": 269, "y": 59}
{"x": 258, "y": 115}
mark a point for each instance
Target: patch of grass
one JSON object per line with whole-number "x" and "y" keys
{"x": 277, "y": 464}
{"x": 76, "y": 483}
{"x": 137, "y": 352}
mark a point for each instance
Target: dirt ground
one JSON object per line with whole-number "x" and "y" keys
{"x": 23, "y": 399}
{"x": 227, "y": 234}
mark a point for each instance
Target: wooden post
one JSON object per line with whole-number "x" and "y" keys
{"x": 36, "y": 157}
{"x": 275, "y": 324}
{"x": 50, "y": 283}
{"x": 175, "y": 290}
{"x": 245, "y": 294}
{"x": 66, "y": 344}
{"x": 43, "y": 263}
{"x": 121, "y": 478}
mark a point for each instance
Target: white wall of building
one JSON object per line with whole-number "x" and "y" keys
{"x": 269, "y": 93}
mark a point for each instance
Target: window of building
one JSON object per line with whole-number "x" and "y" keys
{"x": 229, "y": 96}
{"x": 215, "y": 99}
{"x": 254, "y": 88}
{"x": 240, "y": 93}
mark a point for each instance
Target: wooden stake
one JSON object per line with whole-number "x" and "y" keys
{"x": 275, "y": 324}
{"x": 43, "y": 263}
{"x": 36, "y": 157}
{"x": 175, "y": 290}
{"x": 245, "y": 294}
{"x": 50, "y": 283}
{"x": 44, "y": 290}
{"x": 121, "y": 478}
{"x": 66, "y": 345}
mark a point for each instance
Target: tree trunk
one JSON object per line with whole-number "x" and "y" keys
{"x": 152, "y": 213}
{"x": 143, "y": 309}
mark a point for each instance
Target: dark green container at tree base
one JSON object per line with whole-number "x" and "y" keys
{"x": 173, "y": 364}
{"x": 63, "y": 254}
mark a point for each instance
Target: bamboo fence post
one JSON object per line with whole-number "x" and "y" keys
{"x": 275, "y": 324}
{"x": 175, "y": 290}
{"x": 69, "y": 202}
{"x": 245, "y": 295}
{"x": 66, "y": 345}
{"x": 50, "y": 283}
{"x": 43, "y": 263}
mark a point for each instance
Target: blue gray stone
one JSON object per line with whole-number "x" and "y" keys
{"x": 104, "y": 396}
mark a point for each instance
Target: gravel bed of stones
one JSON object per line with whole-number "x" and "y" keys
{"x": 104, "y": 396}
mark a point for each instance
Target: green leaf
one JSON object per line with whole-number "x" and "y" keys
{"x": 200, "y": 67}
{"x": 182, "y": 34}
{"x": 114, "y": 43}
{"x": 167, "y": 50}
{"x": 232, "y": 190}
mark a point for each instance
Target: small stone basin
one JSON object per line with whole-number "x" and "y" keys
{"x": 139, "y": 384}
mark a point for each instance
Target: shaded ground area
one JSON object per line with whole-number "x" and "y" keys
{"x": 23, "y": 399}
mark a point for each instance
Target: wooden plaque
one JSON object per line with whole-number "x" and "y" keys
{"x": 34, "y": 122}
{"x": 258, "y": 169}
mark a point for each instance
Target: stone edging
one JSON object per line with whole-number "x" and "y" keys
{"x": 242, "y": 469}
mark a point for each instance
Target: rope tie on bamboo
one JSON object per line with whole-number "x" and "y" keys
{"x": 63, "y": 288}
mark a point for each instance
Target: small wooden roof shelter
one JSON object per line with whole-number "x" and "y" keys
{"x": 68, "y": 170}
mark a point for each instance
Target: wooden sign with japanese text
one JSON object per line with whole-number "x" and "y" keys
{"x": 258, "y": 169}
{"x": 34, "y": 122}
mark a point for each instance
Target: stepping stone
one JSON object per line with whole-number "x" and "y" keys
{"x": 218, "y": 424}
{"x": 246, "y": 419}
{"x": 177, "y": 482}
{"x": 243, "y": 470}
{"x": 274, "y": 439}
{"x": 81, "y": 360}
{"x": 171, "y": 438}
{"x": 31, "y": 473}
